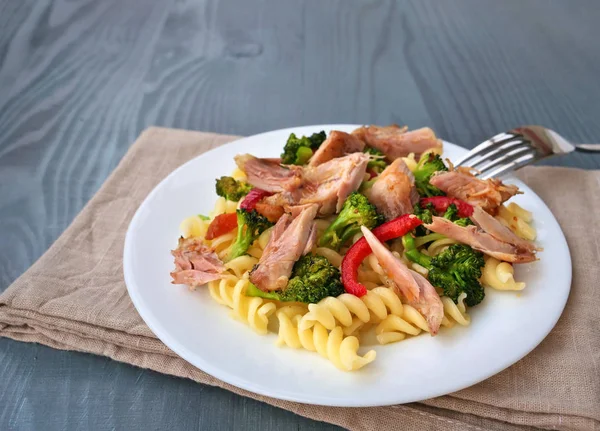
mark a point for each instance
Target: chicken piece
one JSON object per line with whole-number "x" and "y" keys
{"x": 290, "y": 239}
{"x": 394, "y": 192}
{"x": 271, "y": 212}
{"x": 487, "y": 194}
{"x": 496, "y": 229}
{"x": 332, "y": 182}
{"x": 195, "y": 263}
{"x": 327, "y": 185}
{"x": 483, "y": 241}
{"x": 337, "y": 144}
{"x": 311, "y": 240}
{"x": 396, "y": 142}
{"x": 269, "y": 175}
{"x": 418, "y": 292}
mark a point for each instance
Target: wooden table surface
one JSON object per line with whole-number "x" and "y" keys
{"x": 79, "y": 80}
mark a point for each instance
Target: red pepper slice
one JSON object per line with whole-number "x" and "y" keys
{"x": 221, "y": 224}
{"x": 441, "y": 204}
{"x": 372, "y": 173}
{"x": 396, "y": 228}
{"x": 252, "y": 198}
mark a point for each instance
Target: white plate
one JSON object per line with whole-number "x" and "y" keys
{"x": 505, "y": 326}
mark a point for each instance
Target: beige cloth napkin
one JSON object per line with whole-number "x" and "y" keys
{"x": 74, "y": 298}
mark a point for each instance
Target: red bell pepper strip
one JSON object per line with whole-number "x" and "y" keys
{"x": 441, "y": 204}
{"x": 252, "y": 198}
{"x": 221, "y": 224}
{"x": 372, "y": 173}
{"x": 395, "y": 228}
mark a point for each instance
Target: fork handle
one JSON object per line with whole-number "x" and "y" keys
{"x": 588, "y": 148}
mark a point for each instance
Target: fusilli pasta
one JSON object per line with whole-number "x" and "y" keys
{"x": 253, "y": 311}
{"x": 372, "y": 307}
{"x": 518, "y": 220}
{"x": 333, "y": 345}
{"x": 499, "y": 275}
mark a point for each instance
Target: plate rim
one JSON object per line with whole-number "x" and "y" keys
{"x": 242, "y": 383}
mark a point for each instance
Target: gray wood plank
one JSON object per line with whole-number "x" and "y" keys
{"x": 80, "y": 80}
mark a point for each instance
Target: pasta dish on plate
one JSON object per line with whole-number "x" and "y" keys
{"x": 351, "y": 238}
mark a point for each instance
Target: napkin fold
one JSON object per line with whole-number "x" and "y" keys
{"x": 74, "y": 298}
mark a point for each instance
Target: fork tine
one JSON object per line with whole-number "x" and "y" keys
{"x": 515, "y": 164}
{"x": 484, "y": 147}
{"x": 501, "y": 149}
{"x": 506, "y": 158}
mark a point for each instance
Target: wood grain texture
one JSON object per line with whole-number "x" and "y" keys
{"x": 80, "y": 80}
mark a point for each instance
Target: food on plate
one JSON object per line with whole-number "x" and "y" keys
{"x": 348, "y": 235}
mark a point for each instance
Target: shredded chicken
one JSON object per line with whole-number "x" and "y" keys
{"x": 394, "y": 192}
{"x": 496, "y": 229}
{"x": 479, "y": 239}
{"x": 396, "y": 142}
{"x": 418, "y": 292}
{"x": 337, "y": 144}
{"x": 487, "y": 194}
{"x": 290, "y": 239}
{"x": 268, "y": 174}
{"x": 327, "y": 185}
{"x": 195, "y": 263}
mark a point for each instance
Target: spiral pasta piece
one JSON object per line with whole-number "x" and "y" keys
{"x": 241, "y": 265}
{"x": 222, "y": 206}
{"x": 500, "y": 275}
{"x": 331, "y": 255}
{"x": 456, "y": 312}
{"x": 221, "y": 243}
{"x": 333, "y": 345}
{"x": 376, "y": 305}
{"x": 518, "y": 220}
{"x": 396, "y": 327}
{"x": 255, "y": 312}
{"x": 194, "y": 227}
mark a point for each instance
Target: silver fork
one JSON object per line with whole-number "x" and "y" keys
{"x": 507, "y": 152}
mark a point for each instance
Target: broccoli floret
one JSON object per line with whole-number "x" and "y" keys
{"x": 452, "y": 215}
{"x": 356, "y": 212}
{"x": 463, "y": 222}
{"x": 250, "y": 225}
{"x": 313, "y": 278}
{"x": 451, "y": 212}
{"x": 425, "y": 215}
{"x": 231, "y": 189}
{"x": 455, "y": 270}
{"x": 427, "y": 166}
{"x": 297, "y": 151}
{"x": 377, "y": 163}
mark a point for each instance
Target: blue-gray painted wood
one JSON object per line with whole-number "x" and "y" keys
{"x": 79, "y": 80}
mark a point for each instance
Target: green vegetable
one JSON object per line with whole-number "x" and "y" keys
{"x": 366, "y": 185}
{"x": 425, "y": 215}
{"x": 231, "y": 189}
{"x": 377, "y": 163}
{"x": 356, "y": 212}
{"x": 203, "y": 217}
{"x": 426, "y": 167}
{"x": 297, "y": 151}
{"x": 452, "y": 215}
{"x": 250, "y": 225}
{"x": 313, "y": 278}
{"x": 455, "y": 270}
